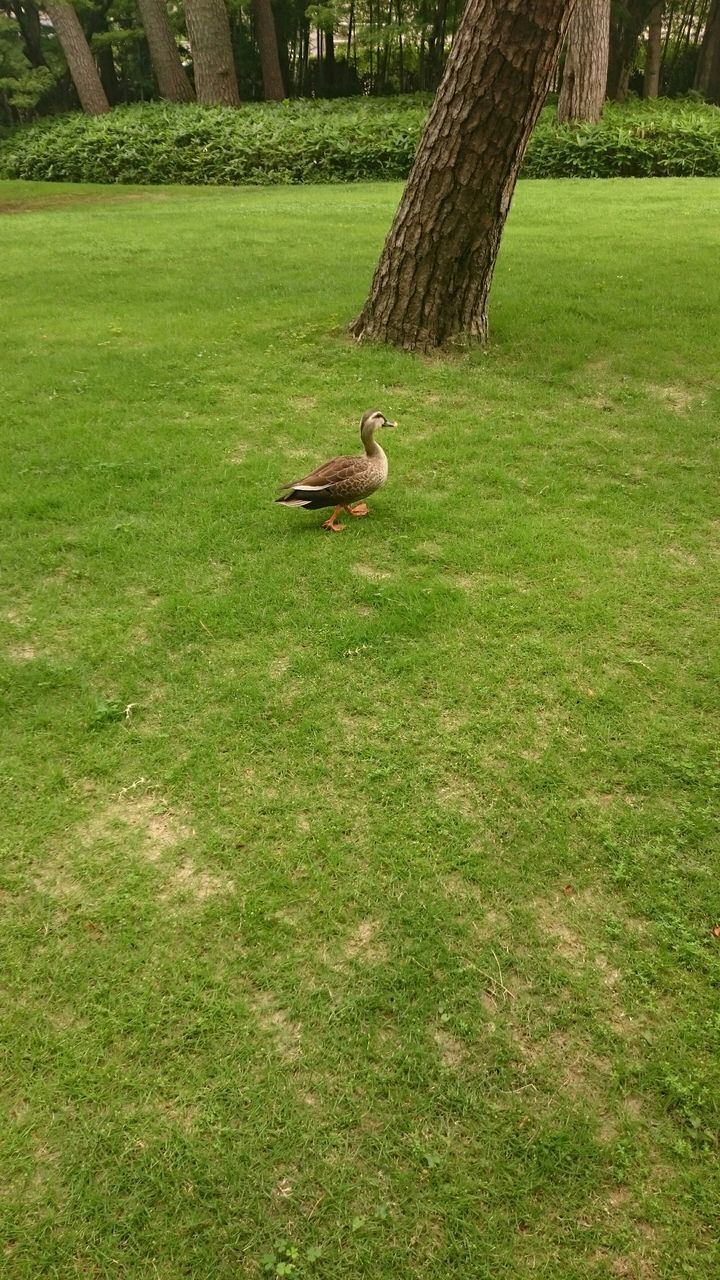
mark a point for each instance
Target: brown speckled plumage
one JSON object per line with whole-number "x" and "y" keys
{"x": 344, "y": 480}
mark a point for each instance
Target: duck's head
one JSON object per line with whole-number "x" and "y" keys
{"x": 371, "y": 421}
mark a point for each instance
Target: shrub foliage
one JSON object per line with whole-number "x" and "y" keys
{"x": 342, "y": 141}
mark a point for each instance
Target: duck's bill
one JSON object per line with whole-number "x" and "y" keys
{"x": 388, "y": 423}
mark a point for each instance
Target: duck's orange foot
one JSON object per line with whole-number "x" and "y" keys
{"x": 360, "y": 509}
{"x": 330, "y": 524}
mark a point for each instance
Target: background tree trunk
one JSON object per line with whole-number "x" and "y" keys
{"x": 329, "y": 58}
{"x": 96, "y": 23}
{"x": 213, "y": 62}
{"x": 28, "y": 19}
{"x": 586, "y": 63}
{"x": 653, "y": 57}
{"x": 436, "y": 43}
{"x": 707, "y": 79}
{"x": 169, "y": 71}
{"x": 629, "y": 19}
{"x": 432, "y": 282}
{"x": 266, "y": 36}
{"x": 81, "y": 63}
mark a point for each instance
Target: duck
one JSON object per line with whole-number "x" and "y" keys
{"x": 344, "y": 483}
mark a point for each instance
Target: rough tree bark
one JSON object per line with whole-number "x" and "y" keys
{"x": 432, "y": 281}
{"x": 582, "y": 94}
{"x": 169, "y": 71}
{"x": 707, "y": 79}
{"x": 213, "y": 63}
{"x": 653, "y": 55}
{"x": 81, "y": 63}
{"x": 629, "y": 20}
{"x": 266, "y": 36}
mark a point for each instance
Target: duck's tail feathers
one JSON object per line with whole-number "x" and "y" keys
{"x": 310, "y": 496}
{"x": 292, "y": 500}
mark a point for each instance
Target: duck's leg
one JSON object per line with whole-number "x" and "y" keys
{"x": 330, "y": 524}
{"x": 360, "y": 509}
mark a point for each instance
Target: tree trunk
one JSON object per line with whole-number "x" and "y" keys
{"x": 28, "y": 20}
{"x": 707, "y": 79}
{"x": 628, "y": 21}
{"x": 266, "y": 37}
{"x": 213, "y": 63}
{"x": 81, "y": 63}
{"x": 653, "y": 56}
{"x": 432, "y": 281}
{"x": 586, "y": 62}
{"x": 282, "y": 21}
{"x": 436, "y": 44}
{"x": 95, "y": 23}
{"x": 169, "y": 71}
{"x": 329, "y": 59}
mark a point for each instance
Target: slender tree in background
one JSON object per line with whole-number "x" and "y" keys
{"x": 28, "y": 19}
{"x": 212, "y": 53}
{"x": 97, "y": 25}
{"x": 172, "y": 81}
{"x": 586, "y": 62}
{"x": 328, "y": 63}
{"x": 653, "y": 54}
{"x": 266, "y": 36}
{"x": 81, "y": 63}
{"x": 629, "y": 20}
{"x": 707, "y": 79}
{"x": 432, "y": 282}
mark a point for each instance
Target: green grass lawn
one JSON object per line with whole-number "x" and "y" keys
{"x": 358, "y": 890}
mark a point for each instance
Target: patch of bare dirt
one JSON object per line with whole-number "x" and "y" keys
{"x": 633, "y": 1267}
{"x": 553, "y": 923}
{"x": 472, "y": 583}
{"x": 457, "y": 885}
{"x": 457, "y": 793}
{"x": 140, "y": 817}
{"x": 451, "y": 721}
{"x": 681, "y": 556}
{"x": 677, "y": 398}
{"x": 363, "y": 944}
{"x": 372, "y": 574}
{"x": 66, "y": 201}
{"x": 54, "y": 880}
{"x": 189, "y": 881}
{"x": 359, "y": 726}
{"x": 239, "y": 453}
{"x": 452, "y": 1051}
{"x": 431, "y": 550}
{"x": 277, "y": 1023}
{"x": 142, "y": 812}
{"x": 22, "y": 653}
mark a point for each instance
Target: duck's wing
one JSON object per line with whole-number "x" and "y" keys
{"x": 336, "y": 471}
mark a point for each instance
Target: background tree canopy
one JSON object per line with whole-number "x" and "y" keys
{"x": 143, "y": 50}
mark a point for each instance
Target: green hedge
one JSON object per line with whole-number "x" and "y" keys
{"x": 341, "y": 141}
